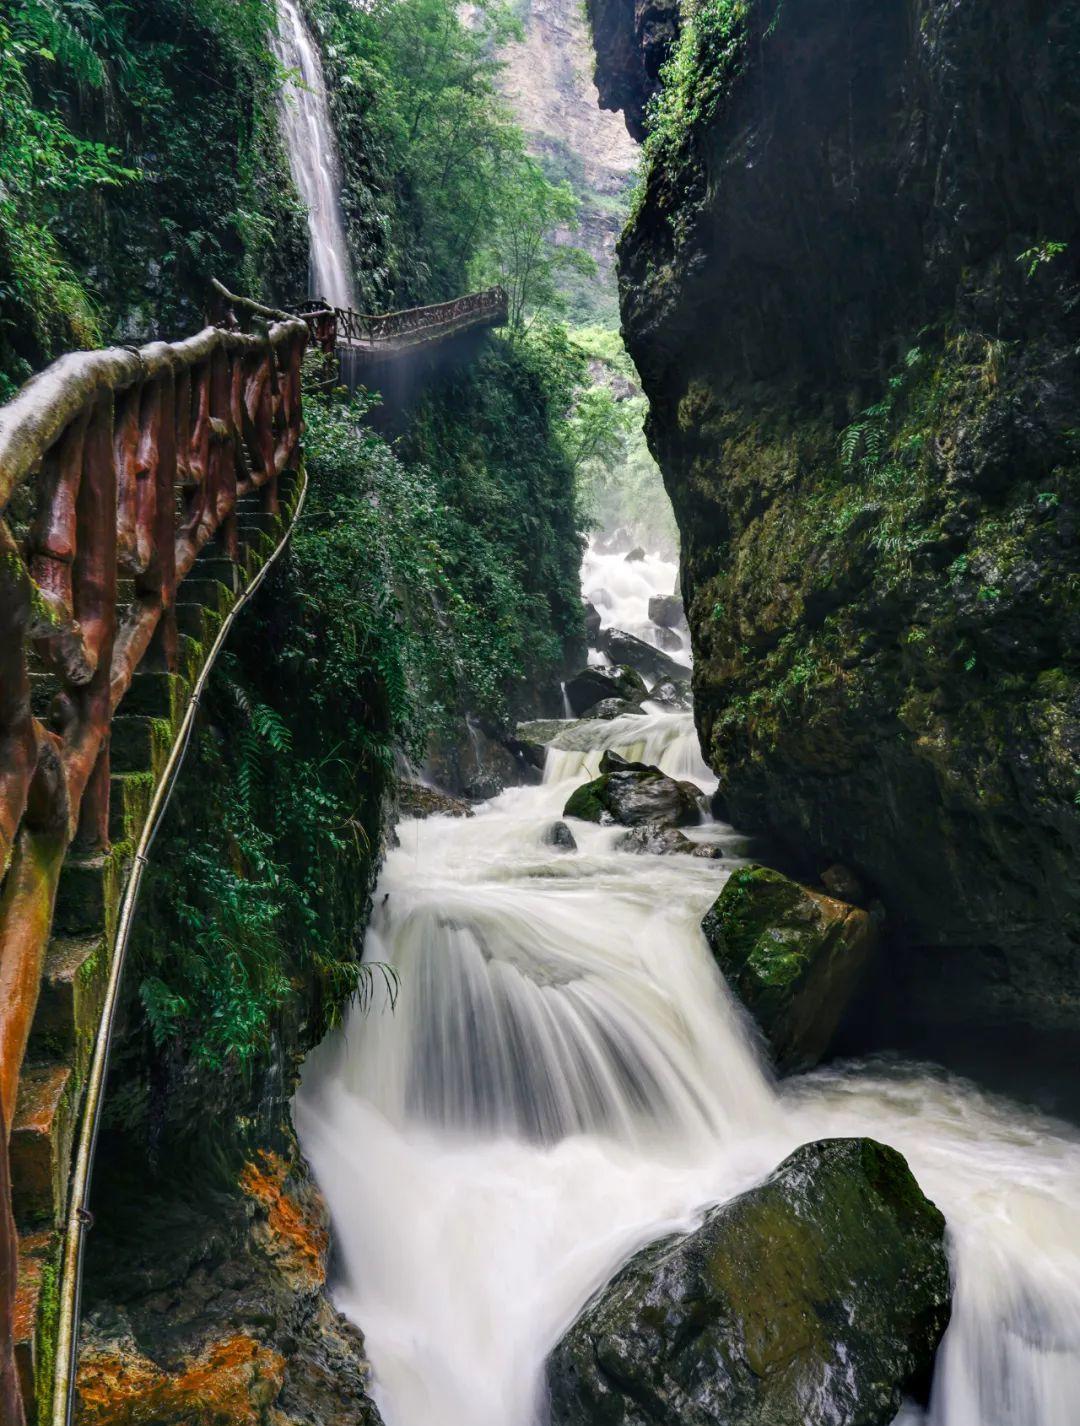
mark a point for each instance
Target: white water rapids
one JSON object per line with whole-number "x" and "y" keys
{"x": 565, "y": 1077}
{"x": 313, "y": 156}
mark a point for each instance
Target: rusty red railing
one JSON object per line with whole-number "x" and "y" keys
{"x": 116, "y": 468}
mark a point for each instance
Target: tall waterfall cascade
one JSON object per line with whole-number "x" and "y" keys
{"x": 565, "y": 1076}
{"x": 313, "y": 156}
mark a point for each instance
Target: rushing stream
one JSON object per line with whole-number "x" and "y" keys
{"x": 565, "y": 1077}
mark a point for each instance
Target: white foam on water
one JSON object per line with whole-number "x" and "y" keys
{"x": 565, "y": 1076}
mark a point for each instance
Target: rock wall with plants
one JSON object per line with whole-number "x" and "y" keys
{"x": 430, "y": 579}
{"x": 850, "y": 286}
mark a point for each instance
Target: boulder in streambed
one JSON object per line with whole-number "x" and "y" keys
{"x": 592, "y": 624}
{"x": 653, "y": 663}
{"x": 792, "y": 956}
{"x": 593, "y": 685}
{"x": 559, "y": 835}
{"x": 667, "y": 611}
{"x": 415, "y": 799}
{"x": 650, "y": 840}
{"x": 609, "y": 708}
{"x": 635, "y": 794}
{"x": 819, "y": 1296}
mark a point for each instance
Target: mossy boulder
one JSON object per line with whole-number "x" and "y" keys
{"x": 819, "y": 1296}
{"x": 594, "y": 685}
{"x": 792, "y": 956}
{"x": 651, "y": 662}
{"x": 634, "y": 795}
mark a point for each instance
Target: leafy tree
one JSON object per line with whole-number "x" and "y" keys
{"x": 522, "y": 248}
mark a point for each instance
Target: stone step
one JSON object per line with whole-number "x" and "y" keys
{"x": 211, "y": 565}
{"x": 80, "y": 897}
{"x": 257, "y": 521}
{"x": 40, "y": 1146}
{"x": 70, "y": 1001}
{"x": 156, "y": 694}
{"x": 35, "y": 1314}
{"x": 210, "y": 592}
{"x": 130, "y": 794}
{"x": 196, "y": 621}
{"x": 135, "y": 742}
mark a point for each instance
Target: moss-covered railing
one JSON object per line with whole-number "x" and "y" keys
{"x": 117, "y": 469}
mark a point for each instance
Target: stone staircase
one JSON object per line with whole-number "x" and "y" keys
{"x": 77, "y": 960}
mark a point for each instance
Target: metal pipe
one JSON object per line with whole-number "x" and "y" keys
{"x": 78, "y": 1217}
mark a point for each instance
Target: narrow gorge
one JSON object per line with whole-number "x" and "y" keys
{"x": 609, "y": 957}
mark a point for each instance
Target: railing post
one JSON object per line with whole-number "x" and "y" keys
{"x": 95, "y": 588}
{"x": 158, "y": 582}
{"x": 11, "y": 1412}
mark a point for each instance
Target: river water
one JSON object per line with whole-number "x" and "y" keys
{"x": 565, "y": 1076}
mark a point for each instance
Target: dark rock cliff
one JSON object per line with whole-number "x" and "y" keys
{"x": 632, "y": 38}
{"x": 851, "y": 290}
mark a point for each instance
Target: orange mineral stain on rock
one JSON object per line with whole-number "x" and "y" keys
{"x": 294, "y": 1233}
{"x": 233, "y": 1382}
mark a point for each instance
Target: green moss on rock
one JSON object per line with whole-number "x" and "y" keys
{"x": 792, "y": 956}
{"x": 820, "y": 1295}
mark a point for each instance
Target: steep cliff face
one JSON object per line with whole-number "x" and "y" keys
{"x": 633, "y": 38}
{"x": 851, "y": 291}
{"x": 548, "y": 85}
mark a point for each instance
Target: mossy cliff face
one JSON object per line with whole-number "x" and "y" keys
{"x": 851, "y": 291}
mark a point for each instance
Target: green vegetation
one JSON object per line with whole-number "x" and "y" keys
{"x": 619, "y": 483}
{"x": 429, "y": 578}
{"x": 139, "y": 155}
{"x": 422, "y": 582}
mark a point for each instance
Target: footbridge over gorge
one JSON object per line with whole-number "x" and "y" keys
{"x": 144, "y": 495}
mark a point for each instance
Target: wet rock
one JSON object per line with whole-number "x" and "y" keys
{"x": 634, "y": 794}
{"x": 653, "y": 663}
{"x": 674, "y": 695}
{"x": 559, "y": 835}
{"x": 632, "y": 41}
{"x": 636, "y": 554}
{"x": 539, "y": 732}
{"x": 819, "y": 1296}
{"x": 227, "y": 1321}
{"x": 841, "y": 882}
{"x": 609, "y": 708}
{"x": 417, "y": 800}
{"x": 667, "y": 610}
{"x": 668, "y": 639}
{"x": 593, "y": 685}
{"x": 234, "y": 1380}
{"x": 906, "y": 703}
{"x": 655, "y": 841}
{"x": 792, "y": 956}
{"x": 475, "y": 763}
{"x": 592, "y": 625}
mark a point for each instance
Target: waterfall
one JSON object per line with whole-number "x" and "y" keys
{"x": 565, "y": 1076}
{"x": 313, "y": 156}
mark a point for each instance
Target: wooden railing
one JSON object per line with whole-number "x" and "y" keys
{"x": 388, "y": 332}
{"x": 116, "y": 468}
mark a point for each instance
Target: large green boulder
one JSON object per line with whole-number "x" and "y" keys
{"x": 792, "y": 956}
{"x": 596, "y": 684}
{"x": 819, "y": 1296}
{"x": 634, "y": 795}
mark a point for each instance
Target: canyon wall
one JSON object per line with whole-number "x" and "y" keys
{"x": 851, "y": 292}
